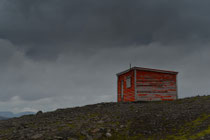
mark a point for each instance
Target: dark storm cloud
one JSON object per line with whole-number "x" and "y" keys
{"x": 61, "y": 53}
{"x": 41, "y": 25}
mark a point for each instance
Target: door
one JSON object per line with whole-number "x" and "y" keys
{"x": 122, "y": 90}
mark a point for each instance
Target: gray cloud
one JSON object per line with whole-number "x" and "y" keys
{"x": 57, "y": 53}
{"x": 39, "y": 25}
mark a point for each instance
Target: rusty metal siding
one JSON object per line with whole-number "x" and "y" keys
{"x": 129, "y": 93}
{"x": 155, "y": 86}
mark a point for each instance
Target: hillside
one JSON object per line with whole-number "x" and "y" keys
{"x": 182, "y": 119}
{"x": 7, "y": 114}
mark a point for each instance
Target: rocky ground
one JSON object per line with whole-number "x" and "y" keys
{"x": 182, "y": 119}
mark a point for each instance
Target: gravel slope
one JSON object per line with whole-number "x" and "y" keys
{"x": 182, "y": 119}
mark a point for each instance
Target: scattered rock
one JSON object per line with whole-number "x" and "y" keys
{"x": 100, "y": 122}
{"x": 108, "y": 134}
{"x": 95, "y": 130}
{"x": 37, "y": 136}
{"x": 58, "y": 138}
{"x": 104, "y": 120}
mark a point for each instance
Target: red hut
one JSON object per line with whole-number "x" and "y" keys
{"x": 144, "y": 84}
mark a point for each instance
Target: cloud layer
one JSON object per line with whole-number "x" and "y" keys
{"x": 65, "y": 53}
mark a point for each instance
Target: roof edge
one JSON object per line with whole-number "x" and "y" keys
{"x": 147, "y": 69}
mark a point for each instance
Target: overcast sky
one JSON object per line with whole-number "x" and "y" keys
{"x": 64, "y": 53}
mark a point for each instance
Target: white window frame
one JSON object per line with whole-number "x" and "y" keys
{"x": 128, "y": 82}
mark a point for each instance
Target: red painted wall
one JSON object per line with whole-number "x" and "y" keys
{"x": 129, "y": 93}
{"x": 153, "y": 86}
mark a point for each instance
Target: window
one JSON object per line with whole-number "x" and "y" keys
{"x": 128, "y": 82}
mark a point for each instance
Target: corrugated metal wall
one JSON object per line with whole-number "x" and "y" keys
{"x": 153, "y": 86}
